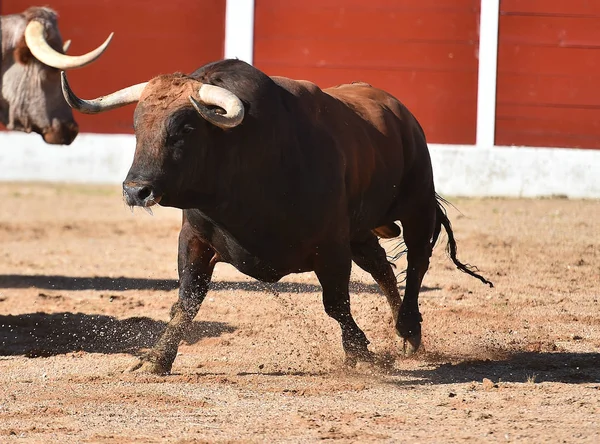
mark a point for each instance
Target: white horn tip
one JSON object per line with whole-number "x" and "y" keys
{"x": 104, "y": 45}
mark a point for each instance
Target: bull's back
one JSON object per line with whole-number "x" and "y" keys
{"x": 384, "y": 113}
{"x": 377, "y": 139}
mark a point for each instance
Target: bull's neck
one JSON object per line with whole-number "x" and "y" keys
{"x": 260, "y": 195}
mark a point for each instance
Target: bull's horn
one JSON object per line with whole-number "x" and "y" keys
{"x": 217, "y": 96}
{"x": 41, "y": 50}
{"x": 117, "y": 99}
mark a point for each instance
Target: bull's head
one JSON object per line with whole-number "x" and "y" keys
{"x": 176, "y": 121}
{"x": 32, "y": 55}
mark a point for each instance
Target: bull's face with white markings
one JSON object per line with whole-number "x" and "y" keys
{"x": 178, "y": 121}
{"x": 32, "y": 55}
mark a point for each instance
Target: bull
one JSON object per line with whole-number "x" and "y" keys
{"x": 33, "y": 54}
{"x": 277, "y": 176}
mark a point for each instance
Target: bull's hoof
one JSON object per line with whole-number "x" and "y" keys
{"x": 151, "y": 367}
{"x": 350, "y": 361}
{"x": 353, "y": 358}
{"x": 411, "y": 345}
{"x": 409, "y": 329}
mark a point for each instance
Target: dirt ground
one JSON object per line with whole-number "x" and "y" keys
{"x": 86, "y": 285}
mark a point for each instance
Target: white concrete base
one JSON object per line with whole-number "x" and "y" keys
{"x": 516, "y": 171}
{"x": 459, "y": 170}
{"x": 92, "y": 158}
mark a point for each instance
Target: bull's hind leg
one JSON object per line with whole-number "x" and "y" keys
{"x": 333, "y": 271}
{"x": 418, "y": 224}
{"x": 371, "y": 257}
{"x": 195, "y": 271}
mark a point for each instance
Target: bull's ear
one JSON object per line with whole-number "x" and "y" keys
{"x": 21, "y": 53}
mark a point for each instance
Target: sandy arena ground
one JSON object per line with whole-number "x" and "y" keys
{"x": 85, "y": 286}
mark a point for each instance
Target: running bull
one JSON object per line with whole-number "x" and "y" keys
{"x": 276, "y": 176}
{"x": 33, "y": 54}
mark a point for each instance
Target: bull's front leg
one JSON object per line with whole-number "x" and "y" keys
{"x": 195, "y": 264}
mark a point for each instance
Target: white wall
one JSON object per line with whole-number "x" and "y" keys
{"x": 459, "y": 170}
{"x": 516, "y": 171}
{"x": 91, "y": 158}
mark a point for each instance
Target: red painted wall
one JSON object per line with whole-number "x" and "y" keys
{"x": 422, "y": 51}
{"x": 151, "y": 38}
{"x": 549, "y": 73}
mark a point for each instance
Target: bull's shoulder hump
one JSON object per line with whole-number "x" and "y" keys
{"x": 297, "y": 86}
{"x": 361, "y": 92}
{"x": 352, "y": 84}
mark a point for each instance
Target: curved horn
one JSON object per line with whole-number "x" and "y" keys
{"x": 117, "y": 99}
{"x": 41, "y": 50}
{"x": 217, "y": 96}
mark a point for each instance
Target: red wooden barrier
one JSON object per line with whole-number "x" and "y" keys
{"x": 151, "y": 38}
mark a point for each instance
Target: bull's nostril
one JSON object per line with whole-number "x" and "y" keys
{"x": 144, "y": 193}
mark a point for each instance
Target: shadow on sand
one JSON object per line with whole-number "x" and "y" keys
{"x": 71, "y": 283}
{"x": 533, "y": 367}
{"x": 519, "y": 367}
{"x": 42, "y": 334}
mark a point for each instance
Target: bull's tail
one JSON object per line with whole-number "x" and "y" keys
{"x": 442, "y": 220}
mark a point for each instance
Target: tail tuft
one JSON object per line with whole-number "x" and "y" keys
{"x": 442, "y": 220}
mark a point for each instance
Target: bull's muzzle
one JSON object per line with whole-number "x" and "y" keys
{"x": 140, "y": 195}
{"x": 61, "y": 133}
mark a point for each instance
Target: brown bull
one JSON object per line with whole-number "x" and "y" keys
{"x": 276, "y": 176}
{"x": 32, "y": 55}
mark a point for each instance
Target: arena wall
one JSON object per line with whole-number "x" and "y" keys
{"x": 484, "y": 82}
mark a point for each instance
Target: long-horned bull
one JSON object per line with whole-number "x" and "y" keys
{"x": 32, "y": 55}
{"x": 276, "y": 176}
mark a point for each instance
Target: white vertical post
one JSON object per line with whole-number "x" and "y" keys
{"x": 487, "y": 79}
{"x": 239, "y": 30}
